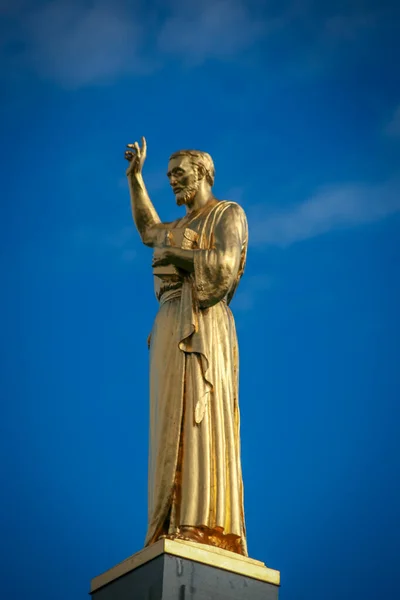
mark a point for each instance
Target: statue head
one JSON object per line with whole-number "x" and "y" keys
{"x": 187, "y": 171}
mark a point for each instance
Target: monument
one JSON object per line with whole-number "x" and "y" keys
{"x": 196, "y": 544}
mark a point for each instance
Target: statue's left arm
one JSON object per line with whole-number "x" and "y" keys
{"x": 215, "y": 270}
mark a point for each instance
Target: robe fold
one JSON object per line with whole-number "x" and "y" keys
{"x": 195, "y": 476}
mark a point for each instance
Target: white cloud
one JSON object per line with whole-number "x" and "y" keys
{"x": 80, "y": 42}
{"x": 393, "y": 127}
{"x": 211, "y": 29}
{"x": 328, "y": 209}
{"x": 78, "y": 45}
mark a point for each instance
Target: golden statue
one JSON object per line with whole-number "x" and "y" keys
{"x": 195, "y": 474}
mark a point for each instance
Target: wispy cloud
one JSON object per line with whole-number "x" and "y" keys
{"x": 76, "y": 44}
{"x": 328, "y": 209}
{"x": 211, "y": 29}
{"x": 393, "y": 127}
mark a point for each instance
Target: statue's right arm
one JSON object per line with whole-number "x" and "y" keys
{"x": 145, "y": 216}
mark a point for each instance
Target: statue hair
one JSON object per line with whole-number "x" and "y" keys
{"x": 199, "y": 159}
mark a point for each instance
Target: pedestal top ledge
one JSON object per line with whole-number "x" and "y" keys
{"x": 207, "y": 555}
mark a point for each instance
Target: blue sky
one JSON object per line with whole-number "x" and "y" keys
{"x": 299, "y": 105}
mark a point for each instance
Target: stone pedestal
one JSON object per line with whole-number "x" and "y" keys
{"x": 177, "y": 570}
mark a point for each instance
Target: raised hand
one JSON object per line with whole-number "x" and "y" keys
{"x": 136, "y": 157}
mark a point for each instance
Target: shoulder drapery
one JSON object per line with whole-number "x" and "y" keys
{"x": 220, "y": 262}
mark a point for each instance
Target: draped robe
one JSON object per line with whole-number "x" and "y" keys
{"x": 195, "y": 475}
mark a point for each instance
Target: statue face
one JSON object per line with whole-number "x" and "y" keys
{"x": 183, "y": 178}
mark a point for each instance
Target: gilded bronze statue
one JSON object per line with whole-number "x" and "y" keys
{"x": 195, "y": 474}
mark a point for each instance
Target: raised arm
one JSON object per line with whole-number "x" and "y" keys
{"x": 144, "y": 214}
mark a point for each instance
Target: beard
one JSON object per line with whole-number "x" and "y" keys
{"x": 186, "y": 195}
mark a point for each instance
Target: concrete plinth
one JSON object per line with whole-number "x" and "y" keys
{"x": 177, "y": 570}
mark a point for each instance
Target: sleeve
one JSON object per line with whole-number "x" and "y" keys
{"x": 216, "y": 270}
{"x": 157, "y": 234}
